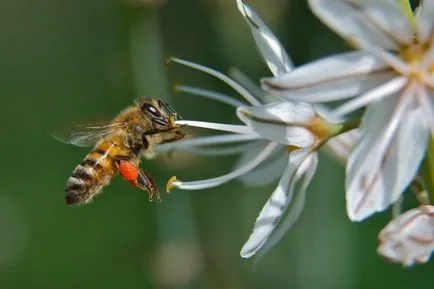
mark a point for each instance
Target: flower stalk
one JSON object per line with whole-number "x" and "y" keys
{"x": 406, "y": 7}
{"x": 346, "y": 126}
{"x": 428, "y": 169}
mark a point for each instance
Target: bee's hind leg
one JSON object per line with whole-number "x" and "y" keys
{"x": 146, "y": 182}
{"x": 131, "y": 173}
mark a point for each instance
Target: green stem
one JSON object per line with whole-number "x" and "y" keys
{"x": 345, "y": 126}
{"x": 406, "y": 7}
{"x": 428, "y": 169}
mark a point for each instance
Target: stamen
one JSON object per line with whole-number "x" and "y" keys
{"x": 224, "y": 151}
{"x": 249, "y": 84}
{"x": 241, "y": 129}
{"x": 241, "y": 90}
{"x": 207, "y": 140}
{"x": 170, "y": 184}
{"x": 210, "y": 94}
{"x": 214, "y": 182}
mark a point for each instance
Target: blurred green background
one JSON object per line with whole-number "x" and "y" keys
{"x": 67, "y": 61}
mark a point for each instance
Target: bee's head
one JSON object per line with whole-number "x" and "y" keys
{"x": 159, "y": 113}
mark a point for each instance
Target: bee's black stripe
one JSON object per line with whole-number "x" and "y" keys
{"x": 91, "y": 163}
{"x": 81, "y": 173}
{"x": 88, "y": 162}
{"x": 75, "y": 186}
{"x": 100, "y": 151}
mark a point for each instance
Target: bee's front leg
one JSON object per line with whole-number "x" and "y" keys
{"x": 131, "y": 173}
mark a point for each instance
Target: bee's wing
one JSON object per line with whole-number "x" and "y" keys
{"x": 86, "y": 135}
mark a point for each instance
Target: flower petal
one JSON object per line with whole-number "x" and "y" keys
{"x": 206, "y": 140}
{"x": 386, "y": 89}
{"x": 367, "y": 189}
{"x": 209, "y": 94}
{"x": 275, "y": 207}
{"x": 426, "y": 101}
{"x": 280, "y": 121}
{"x": 406, "y": 155}
{"x": 249, "y": 84}
{"x": 271, "y": 50}
{"x": 294, "y": 212}
{"x": 267, "y": 172}
{"x": 215, "y": 151}
{"x": 348, "y": 74}
{"x": 341, "y": 146}
{"x": 366, "y": 23}
{"x": 410, "y": 237}
{"x": 237, "y": 87}
{"x": 425, "y": 21}
{"x": 216, "y": 181}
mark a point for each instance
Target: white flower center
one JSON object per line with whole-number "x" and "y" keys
{"x": 420, "y": 62}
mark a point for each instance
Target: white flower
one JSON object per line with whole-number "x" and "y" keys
{"x": 409, "y": 238}
{"x": 392, "y": 74}
{"x": 285, "y": 137}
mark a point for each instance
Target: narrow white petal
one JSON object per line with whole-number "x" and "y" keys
{"x": 283, "y": 122}
{"x": 376, "y": 94}
{"x": 207, "y": 140}
{"x": 250, "y": 85}
{"x": 297, "y": 207}
{"x": 282, "y": 111}
{"x": 214, "y": 182}
{"x": 271, "y": 50}
{"x": 241, "y": 129}
{"x": 393, "y": 60}
{"x": 390, "y": 19}
{"x": 238, "y": 88}
{"x": 368, "y": 23}
{"x": 405, "y": 155}
{"x": 425, "y": 21}
{"x": 276, "y": 205}
{"x": 428, "y": 59}
{"x": 366, "y": 191}
{"x": 341, "y": 146}
{"x": 348, "y": 74}
{"x": 426, "y": 101}
{"x": 334, "y": 90}
{"x": 215, "y": 151}
{"x": 267, "y": 172}
{"x": 409, "y": 238}
{"x": 210, "y": 94}
{"x": 428, "y": 81}
{"x": 344, "y": 65}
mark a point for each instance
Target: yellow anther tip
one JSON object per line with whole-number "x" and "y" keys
{"x": 172, "y": 121}
{"x": 170, "y": 185}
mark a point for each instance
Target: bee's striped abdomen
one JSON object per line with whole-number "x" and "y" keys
{"x": 91, "y": 175}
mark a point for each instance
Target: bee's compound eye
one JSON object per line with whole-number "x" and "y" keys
{"x": 149, "y": 108}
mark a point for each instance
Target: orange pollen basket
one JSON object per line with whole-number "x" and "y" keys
{"x": 128, "y": 170}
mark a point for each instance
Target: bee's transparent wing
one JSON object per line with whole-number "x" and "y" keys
{"x": 86, "y": 135}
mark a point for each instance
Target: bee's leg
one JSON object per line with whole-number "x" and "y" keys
{"x": 145, "y": 181}
{"x": 156, "y": 130}
{"x": 177, "y": 136}
{"x": 131, "y": 173}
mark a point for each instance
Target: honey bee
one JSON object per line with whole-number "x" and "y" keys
{"x": 119, "y": 147}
